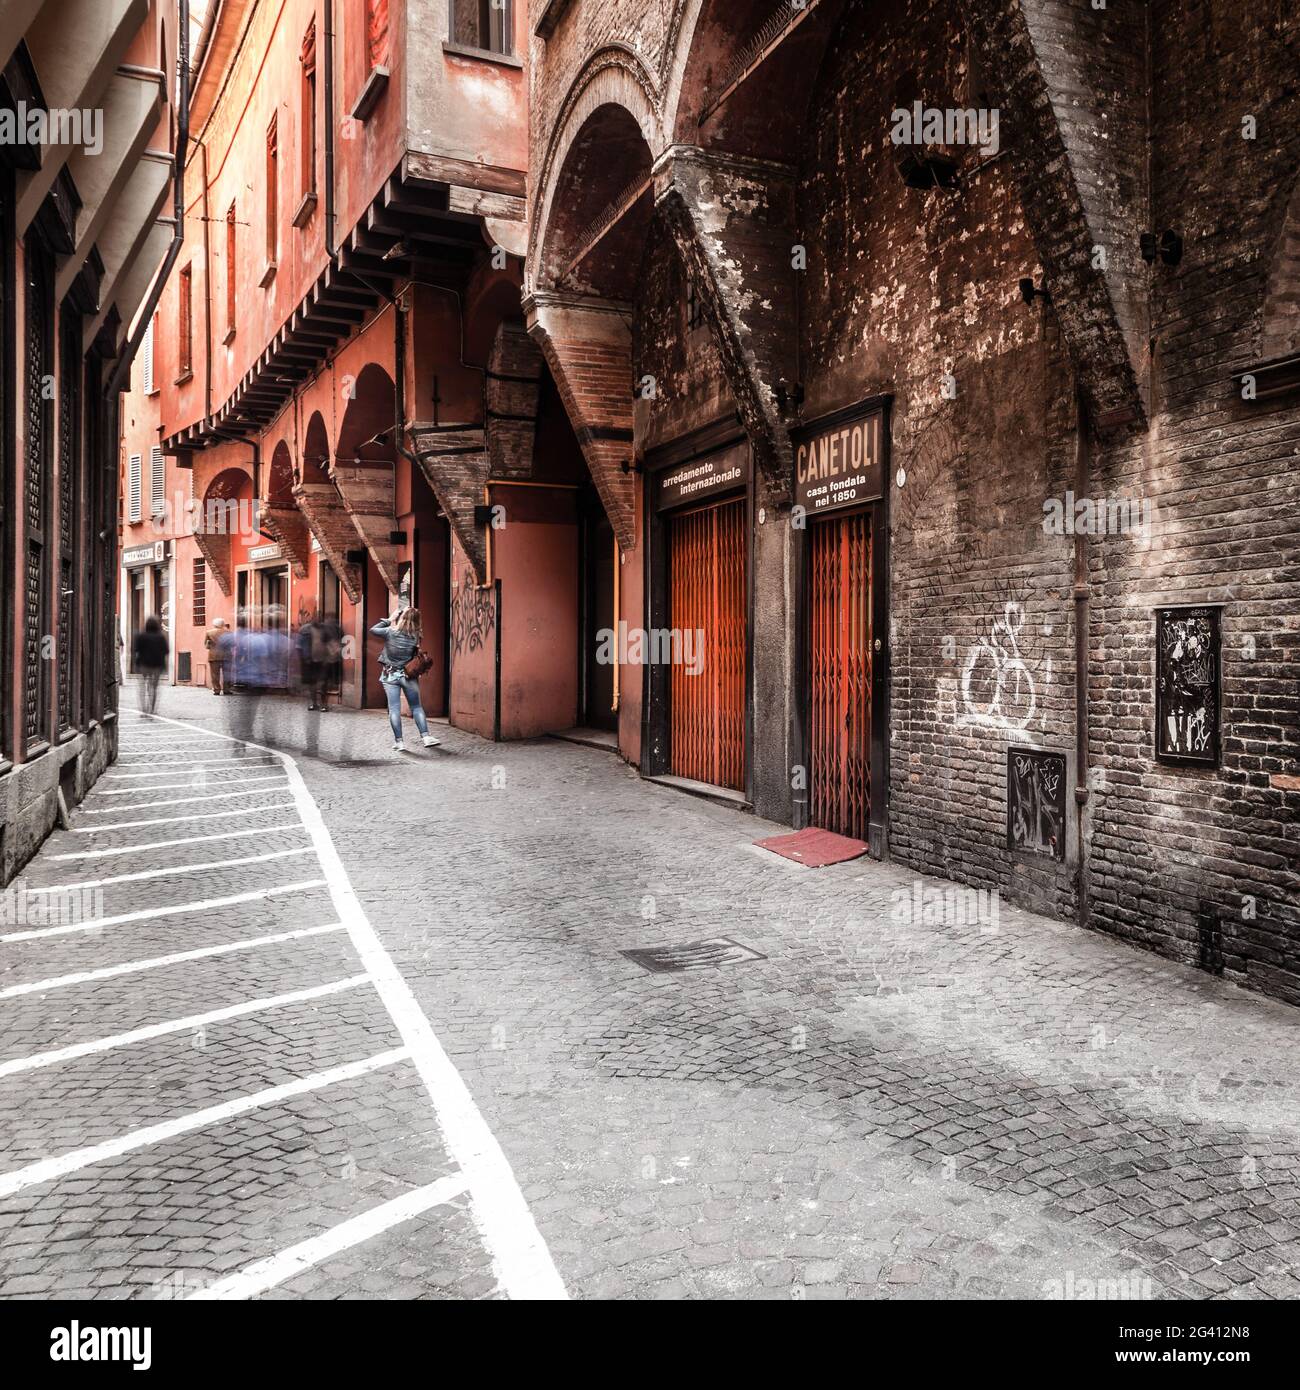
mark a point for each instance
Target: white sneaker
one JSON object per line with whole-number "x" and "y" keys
{"x": 431, "y": 742}
{"x": 399, "y": 747}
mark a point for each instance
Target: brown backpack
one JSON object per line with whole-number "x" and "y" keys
{"x": 418, "y": 665}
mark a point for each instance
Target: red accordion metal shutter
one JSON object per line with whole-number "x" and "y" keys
{"x": 840, "y": 674}
{"x": 707, "y": 595}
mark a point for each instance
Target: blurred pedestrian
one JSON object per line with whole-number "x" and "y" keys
{"x": 401, "y": 664}
{"x": 149, "y": 651}
{"x": 217, "y": 642}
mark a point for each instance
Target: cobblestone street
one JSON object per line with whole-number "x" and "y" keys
{"x": 239, "y": 1079}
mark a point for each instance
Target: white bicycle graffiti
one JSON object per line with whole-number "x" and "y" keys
{"x": 1004, "y": 696}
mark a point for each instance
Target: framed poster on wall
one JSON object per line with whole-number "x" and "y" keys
{"x": 1188, "y": 701}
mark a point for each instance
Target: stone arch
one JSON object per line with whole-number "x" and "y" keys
{"x": 714, "y": 42}
{"x": 364, "y": 456}
{"x": 226, "y": 496}
{"x": 314, "y": 463}
{"x": 612, "y": 77}
{"x": 1280, "y": 328}
{"x": 279, "y": 476}
{"x": 280, "y": 516}
{"x": 365, "y": 437}
{"x": 323, "y": 508}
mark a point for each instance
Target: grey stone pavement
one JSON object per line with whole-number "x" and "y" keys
{"x": 873, "y": 1107}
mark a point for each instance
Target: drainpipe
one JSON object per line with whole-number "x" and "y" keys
{"x": 329, "y": 127}
{"x": 207, "y": 295}
{"x": 1082, "y": 472}
{"x": 121, "y": 371}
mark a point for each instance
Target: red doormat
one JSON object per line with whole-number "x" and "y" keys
{"x": 814, "y": 848}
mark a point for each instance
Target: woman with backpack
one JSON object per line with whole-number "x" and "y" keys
{"x": 401, "y": 664}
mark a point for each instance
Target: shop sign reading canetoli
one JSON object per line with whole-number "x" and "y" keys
{"x": 840, "y": 465}
{"x": 702, "y": 478}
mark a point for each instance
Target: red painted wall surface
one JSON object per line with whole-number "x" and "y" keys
{"x": 536, "y": 558}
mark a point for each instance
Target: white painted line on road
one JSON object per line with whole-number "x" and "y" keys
{"x": 188, "y": 840}
{"x": 206, "y": 762}
{"x": 150, "y": 912}
{"x": 266, "y": 1274}
{"x": 176, "y": 1025}
{"x": 50, "y": 1168}
{"x": 522, "y": 1262}
{"x": 176, "y": 820}
{"x": 81, "y": 884}
{"x": 200, "y": 780}
{"x": 132, "y": 967}
{"x": 180, "y": 800}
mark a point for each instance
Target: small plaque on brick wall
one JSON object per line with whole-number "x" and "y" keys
{"x": 1036, "y": 802}
{"x": 1188, "y": 706}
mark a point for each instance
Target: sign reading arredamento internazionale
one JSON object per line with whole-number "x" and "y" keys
{"x": 702, "y": 478}
{"x": 840, "y": 465}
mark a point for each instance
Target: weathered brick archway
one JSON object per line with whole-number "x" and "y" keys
{"x": 322, "y": 505}
{"x": 594, "y": 209}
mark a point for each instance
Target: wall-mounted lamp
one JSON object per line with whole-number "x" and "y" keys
{"x": 628, "y": 467}
{"x": 398, "y": 250}
{"x": 1029, "y": 292}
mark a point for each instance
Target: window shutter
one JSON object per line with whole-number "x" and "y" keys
{"x": 133, "y": 488}
{"x": 158, "y": 482}
{"x": 146, "y": 354}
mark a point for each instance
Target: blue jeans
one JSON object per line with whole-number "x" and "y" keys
{"x": 393, "y": 690}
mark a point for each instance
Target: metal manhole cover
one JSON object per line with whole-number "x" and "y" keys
{"x": 692, "y": 955}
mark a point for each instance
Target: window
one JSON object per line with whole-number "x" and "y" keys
{"x": 157, "y": 483}
{"x": 483, "y": 24}
{"x": 133, "y": 488}
{"x": 186, "y": 345}
{"x": 146, "y": 358}
{"x": 272, "y": 192}
{"x": 230, "y": 273}
{"x": 199, "y": 592}
{"x": 308, "y": 104}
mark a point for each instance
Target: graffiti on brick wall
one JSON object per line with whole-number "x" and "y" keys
{"x": 995, "y": 676}
{"x": 1187, "y": 685}
{"x": 1036, "y": 801}
{"x": 473, "y": 618}
{"x": 997, "y": 690}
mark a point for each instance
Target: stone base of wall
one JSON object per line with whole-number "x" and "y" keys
{"x": 29, "y": 793}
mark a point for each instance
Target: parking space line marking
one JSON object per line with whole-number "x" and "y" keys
{"x": 520, "y": 1259}
{"x": 147, "y": 913}
{"x": 168, "y": 844}
{"x": 206, "y": 762}
{"x": 175, "y": 1025}
{"x": 275, "y": 1269}
{"x": 132, "y": 967}
{"x": 82, "y": 885}
{"x": 50, "y": 1168}
{"x": 181, "y": 800}
{"x": 200, "y": 779}
{"x": 176, "y": 820}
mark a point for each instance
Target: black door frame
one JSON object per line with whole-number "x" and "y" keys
{"x": 878, "y": 810}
